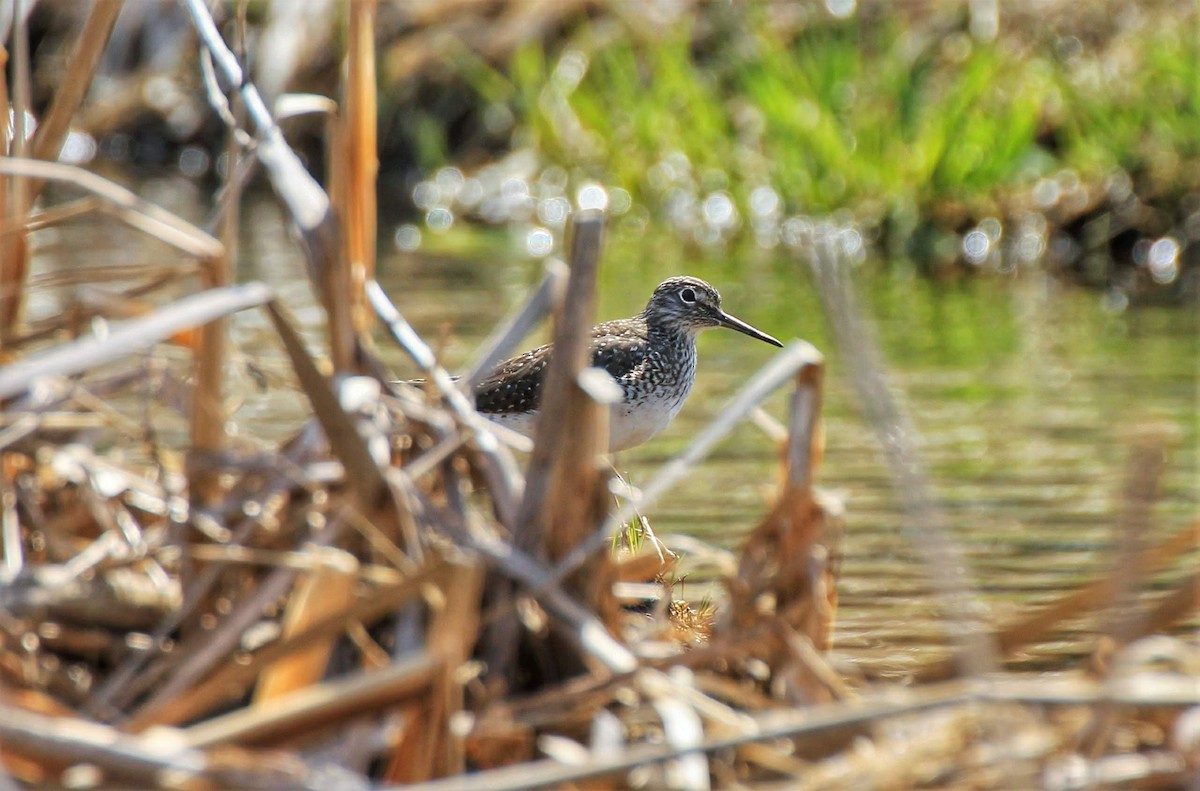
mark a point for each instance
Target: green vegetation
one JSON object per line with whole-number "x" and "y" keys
{"x": 911, "y": 125}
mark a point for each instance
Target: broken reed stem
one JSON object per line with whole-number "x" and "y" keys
{"x": 208, "y": 410}
{"x": 563, "y": 412}
{"x": 573, "y": 322}
{"x": 362, "y": 159}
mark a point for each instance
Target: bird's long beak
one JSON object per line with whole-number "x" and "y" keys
{"x": 734, "y": 323}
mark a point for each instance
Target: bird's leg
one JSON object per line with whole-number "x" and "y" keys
{"x": 639, "y": 530}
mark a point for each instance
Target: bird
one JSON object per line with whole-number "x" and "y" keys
{"x": 652, "y": 357}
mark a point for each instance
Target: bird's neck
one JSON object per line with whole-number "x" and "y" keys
{"x": 669, "y": 333}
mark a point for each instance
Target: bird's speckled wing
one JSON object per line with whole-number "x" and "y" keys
{"x": 515, "y": 385}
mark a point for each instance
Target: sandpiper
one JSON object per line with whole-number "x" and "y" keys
{"x": 652, "y": 356}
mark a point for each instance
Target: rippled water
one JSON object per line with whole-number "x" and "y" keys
{"x": 1026, "y": 392}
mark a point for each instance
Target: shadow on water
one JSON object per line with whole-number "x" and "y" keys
{"x": 1025, "y": 389}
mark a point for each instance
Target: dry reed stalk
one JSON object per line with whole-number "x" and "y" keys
{"x": 787, "y": 565}
{"x": 14, "y": 248}
{"x": 563, "y": 490}
{"x": 578, "y": 497}
{"x": 427, "y": 747}
{"x": 306, "y": 203}
{"x": 75, "y": 81}
{"x": 361, "y": 156}
{"x": 208, "y": 409}
{"x": 362, "y": 473}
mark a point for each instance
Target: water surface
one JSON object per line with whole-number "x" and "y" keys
{"x": 1026, "y": 392}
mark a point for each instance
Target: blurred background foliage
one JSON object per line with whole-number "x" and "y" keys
{"x": 947, "y": 135}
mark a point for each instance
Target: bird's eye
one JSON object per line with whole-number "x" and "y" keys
{"x": 688, "y": 296}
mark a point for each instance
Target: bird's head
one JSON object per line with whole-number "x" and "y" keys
{"x": 693, "y": 305}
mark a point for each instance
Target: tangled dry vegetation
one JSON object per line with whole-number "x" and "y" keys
{"x": 388, "y": 598}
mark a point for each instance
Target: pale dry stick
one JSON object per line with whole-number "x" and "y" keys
{"x": 55, "y": 215}
{"x": 213, "y": 647}
{"x": 19, "y": 429}
{"x": 308, "y": 560}
{"x": 768, "y": 379}
{"x": 129, "y": 337}
{"x": 141, "y": 758}
{"x": 10, "y": 532}
{"x": 943, "y": 557}
{"x": 768, "y": 425}
{"x": 320, "y": 706}
{"x": 1147, "y": 690}
{"x": 128, "y": 681}
{"x": 134, "y": 211}
{"x": 513, "y": 328}
{"x": 231, "y": 679}
{"x": 159, "y": 760}
{"x": 769, "y": 726}
{"x": 306, "y": 203}
{"x": 682, "y": 731}
{"x": 504, "y": 480}
{"x": 362, "y": 473}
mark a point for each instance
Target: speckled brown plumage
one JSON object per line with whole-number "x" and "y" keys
{"x": 515, "y": 385}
